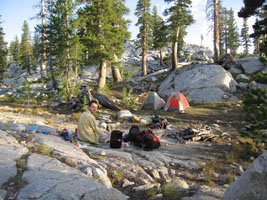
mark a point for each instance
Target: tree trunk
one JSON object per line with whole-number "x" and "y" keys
{"x": 68, "y": 61}
{"x": 160, "y": 57}
{"x": 102, "y": 75}
{"x": 115, "y": 70}
{"x": 144, "y": 57}
{"x": 116, "y": 74}
{"x": 216, "y": 31}
{"x": 52, "y": 74}
{"x": 43, "y": 53}
{"x": 175, "y": 50}
{"x": 29, "y": 65}
{"x": 226, "y": 46}
{"x": 174, "y": 55}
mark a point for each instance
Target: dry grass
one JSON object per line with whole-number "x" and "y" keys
{"x": 76, "y": 116}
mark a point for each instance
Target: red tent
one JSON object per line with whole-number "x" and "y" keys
{"x": 176, "y": 102}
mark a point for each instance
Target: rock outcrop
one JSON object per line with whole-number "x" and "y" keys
{"x": 252, "y": 184}
{"x": 201, "y": 82}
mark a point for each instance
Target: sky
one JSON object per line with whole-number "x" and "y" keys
{"x": 14, "y": 12}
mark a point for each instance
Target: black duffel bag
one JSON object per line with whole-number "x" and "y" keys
{"x": 116, "y": 139}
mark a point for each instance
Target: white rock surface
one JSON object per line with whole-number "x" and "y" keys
{"x": 251, "y": 65}
{"x": 201, "y": 78}
{"x": 252, "y": 184}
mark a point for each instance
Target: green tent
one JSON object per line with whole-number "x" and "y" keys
{"x": 153, "y": 102}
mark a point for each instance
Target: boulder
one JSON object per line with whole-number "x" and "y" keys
{"x": 242, "y": 86}
{"x": 252, "y": 85}
{"x": 233, "y": 99}
{"x": 125, "y": 114}
{"x": 207, "y": 193}
{"x": 200, "y": 55}
{"x": 252, "y": 184}
{"x": 207, "y": 95}
{"x": 251, "y": 65}
{"x": 16, "y": 82}
{"x": 229, "y": 64}
{"x": 242, "y": 78}
{"x": 235, "y": 69}
{"x": 11, "y": 151}
{"x": 179, "y": 188}
{"x": 193, "y": 79}
{"x": 48, "y": 178}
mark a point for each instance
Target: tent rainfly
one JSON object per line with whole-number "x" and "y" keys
{"x": 153, "y": 101}
{"x": 176, "y": 102}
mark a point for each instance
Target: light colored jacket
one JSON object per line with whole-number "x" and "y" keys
{"x": 87, "y": 128}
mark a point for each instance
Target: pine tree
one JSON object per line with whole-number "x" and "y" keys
{"x": 36, "y": 47}
{"x": 257, "y": 8}
{"x": 223, "y": 18}
{"x": 103, "y": 30}
{"x": 25, "y": 49}
{"x": 179, "y": 18}
{"x": 3, "y": 49}
{"x": 245, "y": 36}
{"x": 63, "y": 45}
{"x": 144, "y": 22}
{"x": 43, "y": 41}
{"x": 233, "y": 35}
{"x": 119, "y": 10}
{"x": 159, "y": 33}
{"x": 256, "y": 42}
{"x": 41, "y": 28}
{"x": 13, "y": 50}
{"x": 212, "y": 10}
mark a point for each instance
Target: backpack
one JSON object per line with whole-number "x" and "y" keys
{"x": 147, "y": 140}
{"x": 158, "y": 123}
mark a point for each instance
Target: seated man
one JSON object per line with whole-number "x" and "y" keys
{"x": 88, "y": 130}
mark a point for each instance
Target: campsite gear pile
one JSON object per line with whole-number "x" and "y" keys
{"x": 35, "y": 128}
{"x": 206, "y": 133}
{"x": 66, "y": 134}
{"x": 158, "y": 123}
{"x": 144, "y": 139}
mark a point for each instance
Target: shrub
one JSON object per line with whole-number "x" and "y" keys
{"x": 263, "y": 59}
{"x": 128, "y": 98}
{"x": 25, "y": 92}
{"x": 68, "y": 90}
{"x": 105, "y": 90}
{"x": 255, "y": 108}
{"x": 127, "y": 74}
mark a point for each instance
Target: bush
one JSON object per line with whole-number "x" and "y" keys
{"x": 255, "y": 108}
{"x": 127, "y": 74}
{"x": 128, "y": 98}
{"x": 25, "y": 92}
{"x": 263, "y": 59}
{"x": 260, "y": 78}
{"x": 105, "y": 90}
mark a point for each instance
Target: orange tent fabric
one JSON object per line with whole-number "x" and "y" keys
{"x": 176, "y": 102}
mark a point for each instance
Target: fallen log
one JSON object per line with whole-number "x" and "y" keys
{"x": 105, "y": 102}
